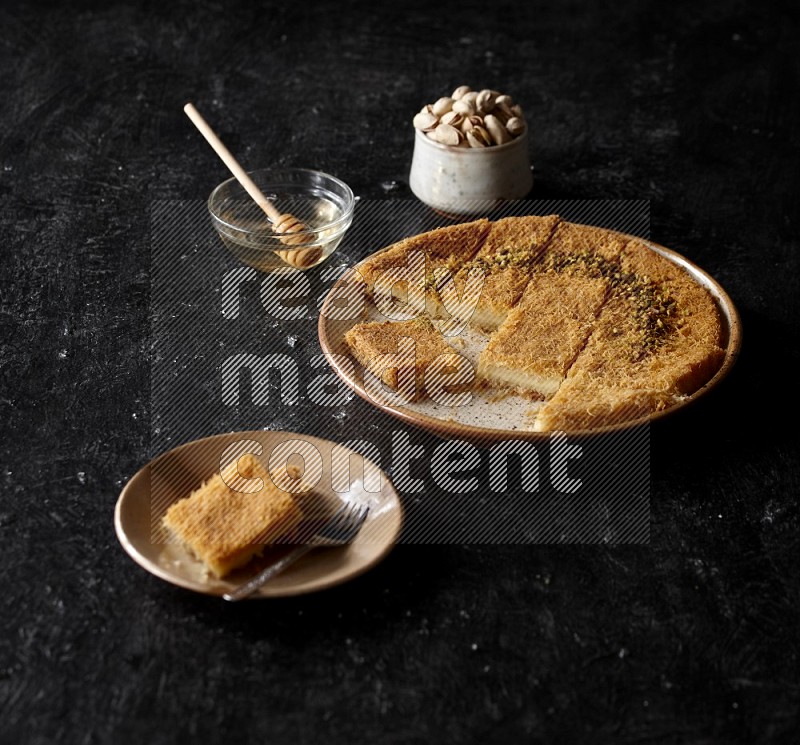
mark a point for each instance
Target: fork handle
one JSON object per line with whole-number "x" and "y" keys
{"x": 265, "y": 575}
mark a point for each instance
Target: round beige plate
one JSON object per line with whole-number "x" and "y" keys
{"x": 510, "y": 419}
{"x": 173, "y": 475}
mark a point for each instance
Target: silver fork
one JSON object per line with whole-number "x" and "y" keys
{"x": 340, "y": 530}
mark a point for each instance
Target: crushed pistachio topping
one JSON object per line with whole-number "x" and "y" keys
{"x": 583, "y": 263}
{"x": 654, "y": 310}
{"x": 655, "y": 313}
{"x": 504, "y": 258}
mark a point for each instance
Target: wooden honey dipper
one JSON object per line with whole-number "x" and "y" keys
{"x": 293, "y": 232}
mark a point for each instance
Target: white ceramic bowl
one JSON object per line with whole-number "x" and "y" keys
{"x": 462, "y": 180}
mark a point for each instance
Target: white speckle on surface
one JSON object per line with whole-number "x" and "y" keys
{"x": 473, "y": 646}
{"x": 291, "y": 340}
{"x": 62, "y": 354}
{"x": 81, "y": 477}
{"x": 622, "y": 653}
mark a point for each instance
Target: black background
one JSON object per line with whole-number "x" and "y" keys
{"x": 693, "y": 638}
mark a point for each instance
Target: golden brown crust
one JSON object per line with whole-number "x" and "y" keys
{"x": 677, "y": 321}
{"x": 513, "y": 246}
{"x": 544, "y": 332}
{"x": 578, "y": 241}
{"x": 446, "y": 247}
{"x": 225, "y": 528}
{"x": 603, "y": 323}
{"x": 583, "y": 402}
{"x": 370, "y": 343}
{"x": 639, "y": 259}
{"x": 657, "y": 339}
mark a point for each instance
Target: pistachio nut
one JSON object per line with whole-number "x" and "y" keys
{"x": 498, "y": 132}
{"x": 503, "y": 110}
{"x": 471, "y": 122}
{"x": 464, "y": 107}
{"x": 425, "y": 121}
{"x": 479, "y": 137}
{"x": 515, "y": 126}
{"x": 447, "y": 135}
{"x": 453, "y": 118}
{"x": 485, "y": 101}
{"x": 469, "y": 118}
{"x": 442, "y": 106}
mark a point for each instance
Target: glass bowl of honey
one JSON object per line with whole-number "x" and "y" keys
{"x": 322, "y": 204}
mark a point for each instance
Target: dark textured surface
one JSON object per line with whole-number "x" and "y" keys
{"x": 694, "y": 638}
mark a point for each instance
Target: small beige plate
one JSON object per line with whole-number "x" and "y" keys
{"x": 173, "y": 475}
{"x": 488, "y": 419}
